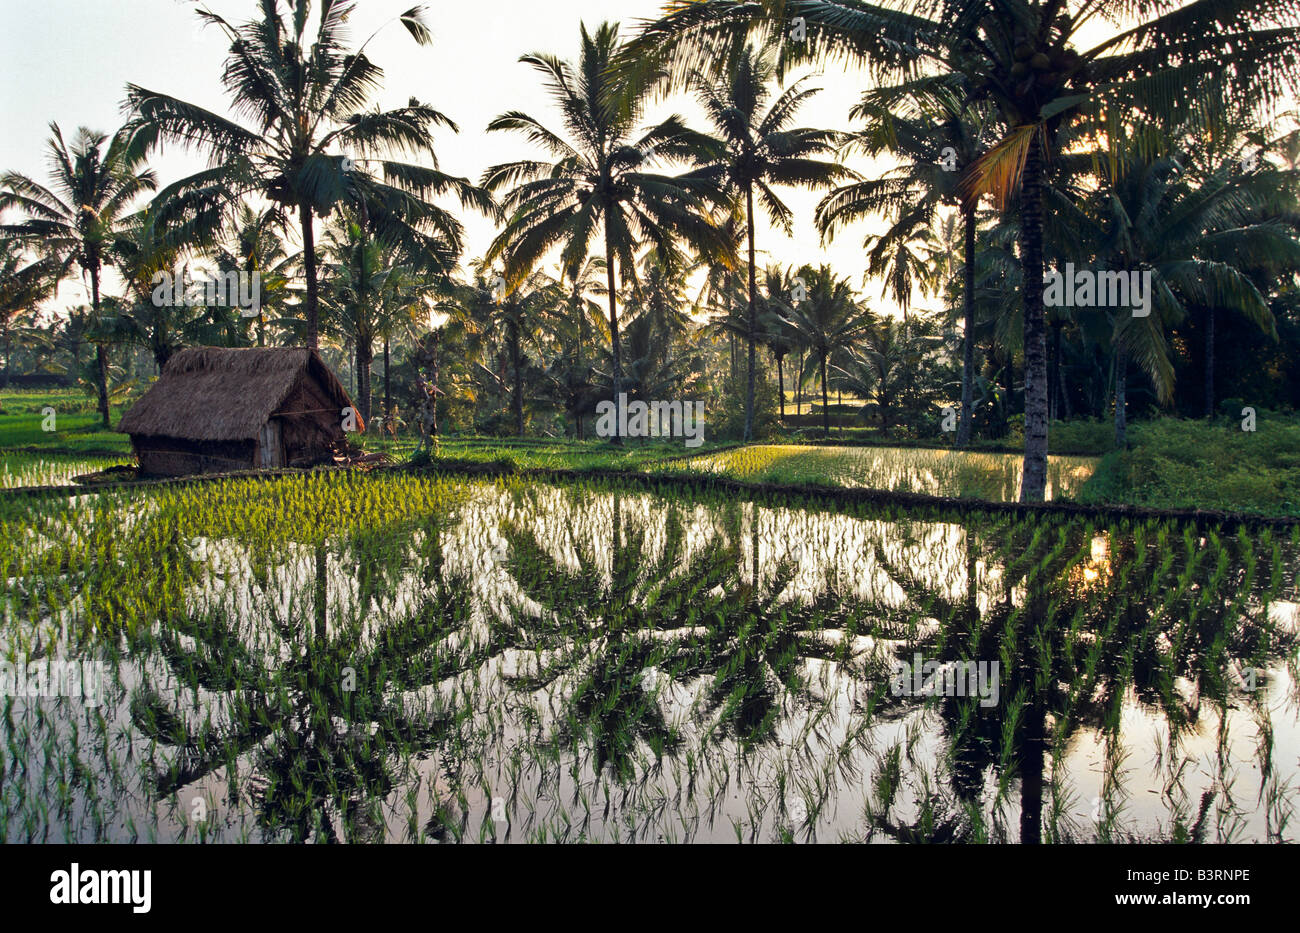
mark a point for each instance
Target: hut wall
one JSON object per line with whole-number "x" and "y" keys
{"x": 312, "y": 425}
{"x": 174, "y": 456}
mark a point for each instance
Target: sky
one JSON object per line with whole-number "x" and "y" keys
{"x": 70, "y": 61}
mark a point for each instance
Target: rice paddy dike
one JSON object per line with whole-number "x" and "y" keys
{"x": 403, "y": 656}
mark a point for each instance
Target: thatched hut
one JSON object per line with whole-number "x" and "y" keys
{"x": 214, "y": 410}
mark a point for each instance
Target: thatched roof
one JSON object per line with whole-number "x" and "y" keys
{"x": 220, "y": 394}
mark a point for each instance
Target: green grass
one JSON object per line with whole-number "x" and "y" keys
{"x": 1194, "y": 464}
{"x": 1172, "y": 463}
{"x": 77, "y": 426}
{"x": 551, "y": 454}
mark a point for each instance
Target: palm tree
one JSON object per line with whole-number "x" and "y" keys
{"x": 827, "y": 321}
{"x": 381, "y": 241}
{"x": 937, "y": 135}
{"x": 585, "y": 278}
{"x": 257, "y": 248}
{"x": 95, "y": 181}
{"x": 306, "y": 98}
{"x": 660, "y": 292}
{"x": 1020, "y": 59}
{"x": 1197, "y": 241}
{"x": 778, "y": 285}
{"x": 756, "y": 149}
{"x": 878, "y": 369}
{"x": 488, "y": 306}
{"x": 24, "y": 283}
{"x": 732, "y": 320}
{"x": 1247, "y": 208}
{"x": 143, "y": 250}
{"x": 363, "y": 268}
{"x": 600, "y": 179}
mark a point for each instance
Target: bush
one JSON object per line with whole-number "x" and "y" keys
{"x": 1091, "y": 436}
{"x": 728, "y": 421}
{"x": 1179, "y": 463}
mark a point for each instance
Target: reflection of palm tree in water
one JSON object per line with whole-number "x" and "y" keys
{"x": 604, "y": 637}
{"x": 321, "y": 711}
{"x": 1076, "y": 644}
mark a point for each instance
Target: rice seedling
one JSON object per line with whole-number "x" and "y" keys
{"x": 420, "y": 657}
{"x": 19, "y": 468}
{"x": 932, "y": 472}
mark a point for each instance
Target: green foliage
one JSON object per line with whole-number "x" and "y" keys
{"x": 1217, "y": 466}
{"x": 726, "y": 421}
{"x": 77, "y": 426}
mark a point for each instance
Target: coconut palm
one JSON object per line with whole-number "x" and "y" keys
{"x": 363, "y": 270}
{"x": 1252, "y": 228}
{"x": 937, "y": 135}
{"x": 600, "y": 182}
{"x": 585, "y": 278}
{"x": 306, "y": 98}
{"x": 1020, "y": 59}
{"x": 1197, "y": 237}
{"x": 660, "y": 292}
{"x": 489, "y": 308}
{"x": 143, "y": 251}
{"x": 826, "y": 321}
{"x": 778, "y": 287}
{"x": 24, "y": 283}
{"x": 757, "y": 149}
{"x": 256, "y": 247}
{"x": 95, "y": 181}
{"x": 879, "y": 369}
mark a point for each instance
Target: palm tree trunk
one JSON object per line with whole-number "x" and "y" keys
{"x": 309, "y": 269}
{"x": 1121, "y": 397}
{"x": 1034, "y": 483}
{"x": 517, "y": 364}
{"x": 1209, "y": 364}
{"x": 101, "y": 356}
{"x": 798, "y": 387}
{"x": 1054, "y": 372}
{"x": 613, "y": 325}
{"x": 1033, "y": 758}
{"x": 388, "y": 392}
{"x": 968, "y": 336}
{"x": 752, "y": 317}
{"x": 780, "y": 385}
{"x": 826, "y": 402}
{"x": 433, "y": 401}
{"x": 580, "y": 314}
{"x": 365, "y": 356}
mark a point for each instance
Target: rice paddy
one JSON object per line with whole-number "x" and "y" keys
{"x": 20, "y": 469}
{"x": 952, "y": 473}
{"x": 418, "y": 657}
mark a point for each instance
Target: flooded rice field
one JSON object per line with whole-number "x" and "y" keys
{"x": 21, "y": 469}
{"x": 395, "y": 657}
{"x": 951, "y": 473}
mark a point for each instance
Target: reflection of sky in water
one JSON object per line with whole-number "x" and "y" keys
{"x": 21, "y": 470}
{"x": 994, "y": 476}
{"x": 824, "y": 754}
